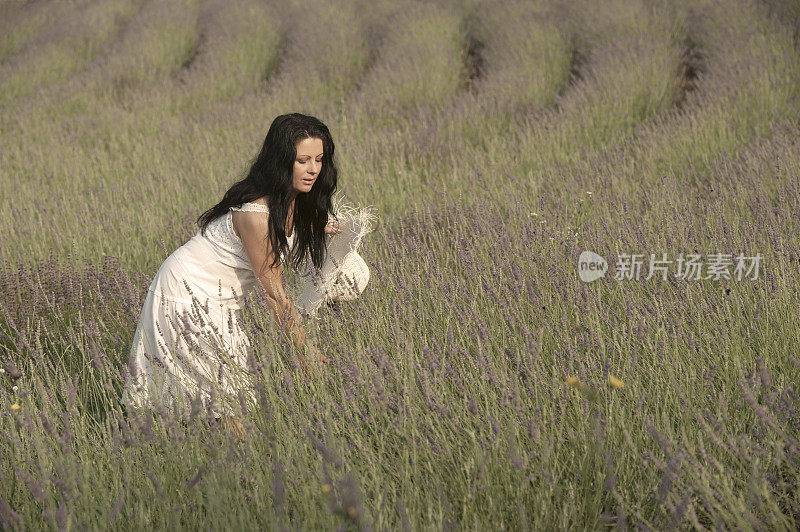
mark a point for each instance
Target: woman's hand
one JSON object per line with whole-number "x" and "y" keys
{"x": 233, "y": 426}
{"x": 316, "y": 354}
{"x": 332, "y": 228}
{"x": 310, "y": 359}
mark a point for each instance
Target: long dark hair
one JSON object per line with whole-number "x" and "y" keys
{"x": 270, "y": 175}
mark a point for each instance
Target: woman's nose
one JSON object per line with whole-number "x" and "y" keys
{"x": 314, "y": 167}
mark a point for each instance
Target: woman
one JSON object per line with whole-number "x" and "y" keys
{"x": 189, "y": 348}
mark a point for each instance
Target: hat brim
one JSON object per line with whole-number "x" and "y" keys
{"x": 325, "y": 284}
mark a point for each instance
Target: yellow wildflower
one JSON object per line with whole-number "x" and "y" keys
{"x": 15, "y": 406}
{"x": 351, "y": 511}
{"x": 615, "y": 382}
{"x": 573, "y": 382}
{"x": 326, "y": 488}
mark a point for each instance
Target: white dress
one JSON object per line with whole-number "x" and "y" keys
{"x": 189, "y": 344}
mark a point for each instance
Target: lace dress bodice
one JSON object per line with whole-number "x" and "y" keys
{"x": 220, "y": 232}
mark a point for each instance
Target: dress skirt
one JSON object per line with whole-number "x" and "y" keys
{"x": 189, "y": 349}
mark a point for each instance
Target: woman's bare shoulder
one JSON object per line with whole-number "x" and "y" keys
{"x": 244, "y": 221}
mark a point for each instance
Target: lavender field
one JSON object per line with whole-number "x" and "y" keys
{"x": 478, "y": 383}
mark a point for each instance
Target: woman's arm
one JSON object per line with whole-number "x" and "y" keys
{"x": 253, "y": 228}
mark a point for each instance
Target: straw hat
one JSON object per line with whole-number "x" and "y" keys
{"x": 351, "y": 279}
{"x": 344, "y": 274}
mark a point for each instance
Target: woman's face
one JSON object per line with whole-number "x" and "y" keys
{"x": 307, "y": 164}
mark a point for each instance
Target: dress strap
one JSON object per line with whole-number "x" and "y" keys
{"x": 251, "y": 207}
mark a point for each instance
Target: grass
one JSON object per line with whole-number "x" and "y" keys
{"x": 473, "y": 383}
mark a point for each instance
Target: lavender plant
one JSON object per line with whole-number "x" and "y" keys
{"x": 477, "y": 382}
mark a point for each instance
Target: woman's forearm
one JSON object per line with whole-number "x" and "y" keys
{"x": 288, "y": 320}
{"x": 285, "y": 314}
{"x": 291, "y": 324}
